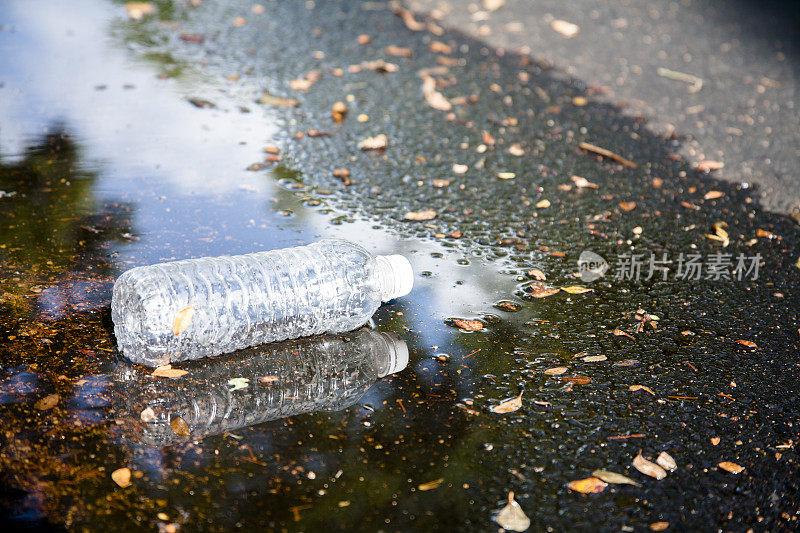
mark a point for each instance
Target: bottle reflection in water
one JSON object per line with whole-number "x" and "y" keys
{"x": 329, "y": 372}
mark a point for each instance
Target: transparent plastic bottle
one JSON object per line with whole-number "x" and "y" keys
{"x": 255, "y": 385}
{"x": 200, "y": 307}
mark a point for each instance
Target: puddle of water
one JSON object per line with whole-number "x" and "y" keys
{"x": 105, "y": 164}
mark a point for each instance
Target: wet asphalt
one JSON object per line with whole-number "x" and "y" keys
{"x": 704, "y": 369}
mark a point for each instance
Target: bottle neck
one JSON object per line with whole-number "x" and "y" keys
{"x": 395, "y": 276}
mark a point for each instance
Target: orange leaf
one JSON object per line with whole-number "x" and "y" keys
{"x": 577, "y": 379}
{"x": 711, "y": 195}
{"x": 749, "y": 344}
{"x": 733, "y": 468}
{"x": 122, "y": 477}
{"x": 708, "y": 165}
{"x": 590, "y": 485}
{"x": 430, "y": 485}
{"x": 627, "y": 206}
{"x": 166, "y": 371}
{"x": 468, "y": 325}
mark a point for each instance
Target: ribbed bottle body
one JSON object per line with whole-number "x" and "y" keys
{"x": 201, "y": 307}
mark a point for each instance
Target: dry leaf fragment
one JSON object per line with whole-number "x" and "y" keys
{"x": 47, "y": 403}
{"x": 749, "y": 344}
{"x": 577, "y": 379}
{"x": 439, "y": 183}
{"x": 398, "y": 51}
{"x": 659, "y": 526}
{"x": 648, "y": 468}
{"x": 556, "y": 371}
{"x": 635, "y": 388}
{"x": 567, "y": 29}
{"x": 434, "y": 98}
{"x": 590, "y": 485}
{"x": 516, "y": 150}
{"x": 428, "y": 214}
{"x": 607, "y": 153}
{"x": 535, "y": 273}
{"x": 627, "y": 206}
{"x": 613, "y": 477}
{"x": 709, "y": 166}
{"x": 711, "y": 195}
{"x": 338, "y": 111}
{"x": 409, "y": 20}
{"x": 621, "y": 333}
{"x": 576, "y": 289}
{"x": 166, "y": 371}
{"x": 179, "y": 426}
{"x": 714, "y": 441}
{"x": 583, "y": 183}
{"x": 665, "y": 461}
{"x": 459, "y": 168}
{"x": 122, "y": 477}
{"x": 733, "y": 468}
{"x": 508, "y": 406}
{"x": 147, "y": 415}
{"x": 374, "y": 143}
{"x": 468, "y": 325}
{"x": 182, "y": 320}
{"x": 430, "y": 485}
{"x": 137, "y": 10}
{"x": 542, "y": 204}
{"x": 511, "y": 517}
{"x": 540, "y": 290}
{"x": 594, "y": 358}
{"x": 277, "y": 101}
{"x": 511, "y": 176}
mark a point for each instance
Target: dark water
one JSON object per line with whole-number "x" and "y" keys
{"x": 106, "y": 164}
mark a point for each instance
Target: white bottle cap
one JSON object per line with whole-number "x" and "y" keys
{"x": 399, "y": 277}
{"x": 398, "y": 352}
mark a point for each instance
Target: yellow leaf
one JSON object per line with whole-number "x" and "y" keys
{"x": 430, "y": 485}
{"x": 511, "y": 176}
{"x": 122, "y": 477}
{"x": 543, "y": 203}
{"x": 590, "y": 485}
{"x": 182, "y": 319}
{"x": 576, "y": 289}
{"x": 508, "y": 406}
{"x": 648, "y": 468}
{"x": 733, "y": 468}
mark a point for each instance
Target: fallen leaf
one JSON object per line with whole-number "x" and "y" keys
{"x": 567, "y": 29}
{"x": 468, "y": 325}
{"x": 536, "y": 274}
{"x": 508, "y": 406}
{"x": 378, "y": 142}
{"x": 583, "y": 183}
{"x": 556, "y": 371}
{"x": 659, "y": 526}
{"x": 665, "y": 461}
{"x": 47, "y": 403}
{"x": 648, "y": 468}
{"x": 636, "y": 388}
{"x": 179, "y": 426}
{"x": 620, "y": 333}
{"x": 434, "y": 98}
{"x": 541, "y": 204}
{"x": 137, "y": 10}
{"x": 182, "y": 320}
{"x": 714, "y": 440}
{"x": 540, "y": 290}
{"x": 511, "y": 517}
{"x": 398, "y": 51}
{"x": 594, "y": 358}
{"x": 487, "y": 138}
{"x": 607, "y": 153}
{"x": 613, "y": 477}
{"x": 590, "y": 485}
{"x": 147, "y": 415}
{"x": 516, "y": 150}
{"x": 627, "y": 206}
{"x": 733, "y": 468}
{"x": 238, "y": 383}
{"x": 712, "y": 195}
{"x": 576, "y": 289}
{"x": 277, "y": 101}
{"x": 709, "y": 166}
{"x": 749, "y": 344}
{"x": 166, "y": 371}
{"x": 430, "y": 485}
{"x": 507, "y": 176}
{"x": 577, "y": 379}
{"x": 122, "y": 477}
{"x": 459, "y": 168}
{"x": 428, "y": 214}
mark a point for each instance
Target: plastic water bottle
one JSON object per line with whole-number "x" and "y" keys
{"x": 329, "y": 372}
{"x": 200, "y": 307}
